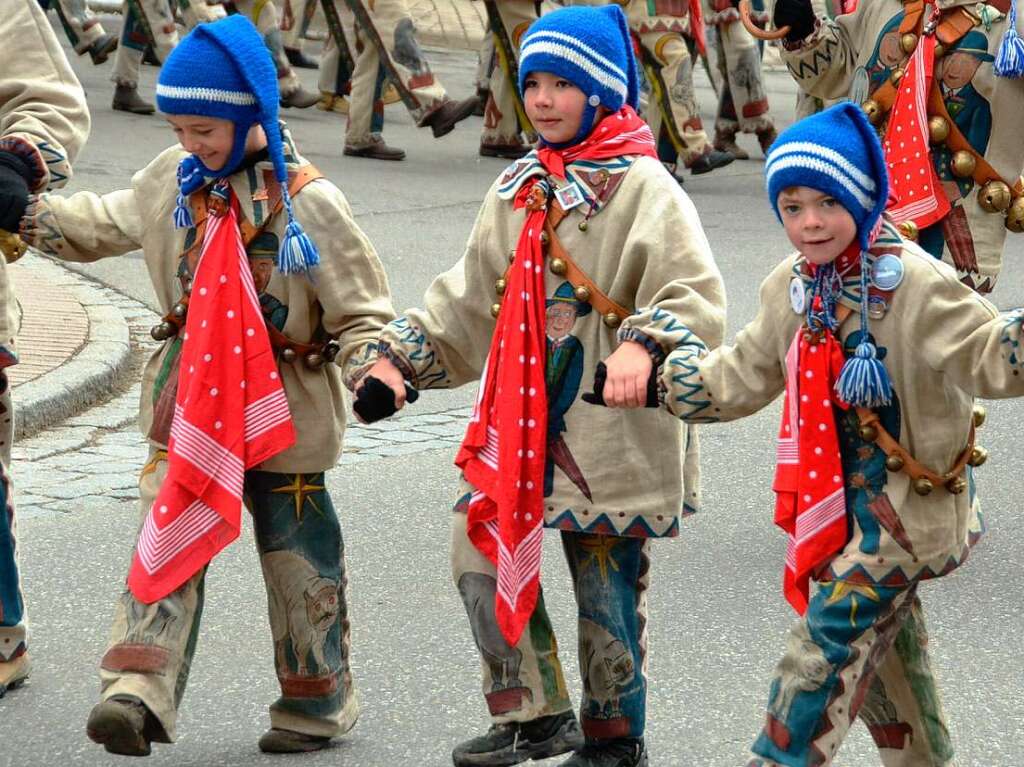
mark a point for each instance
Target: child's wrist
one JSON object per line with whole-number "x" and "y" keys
{"x": 652, "y": 347}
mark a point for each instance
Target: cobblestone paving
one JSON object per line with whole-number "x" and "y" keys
{"x": 94, "y": 459}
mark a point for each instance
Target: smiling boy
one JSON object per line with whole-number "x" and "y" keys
{"x": 534, "y": 456}
{"x": 243, "y": 400}
{"x": 880, "y": 351}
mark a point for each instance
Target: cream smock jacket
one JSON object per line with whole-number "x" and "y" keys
{"x": 347, "y": 294}
{"x": 942, "y": 344}
{"x": 43, "y": 119}
{"x": 645, "y": 247}
{"x": 852, "y": 55}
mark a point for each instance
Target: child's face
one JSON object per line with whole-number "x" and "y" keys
{"x": 554, "y": 105}
{"x": 817, "y": 224}
{"x": 208, "y": 138}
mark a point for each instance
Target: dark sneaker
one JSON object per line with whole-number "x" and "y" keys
{"x": 516, "y": 742}
{"x": 442, "y": 120}
{"x": 300, "y": 98}
{"x": 766, "y": 138}
{"x": 275, "y": 741}
{"x": 122, "y": 725}
{"x": 375, "y": 150}
{"x": 710, "y": 161}
{"x": 127, "y": 99}
{"x": 299, "y": 59}
{"x": 618, "y": 752}
{"x": 100, "y": 50}
{"x": 506, "y": 151}
{"x": 726, "y": 142}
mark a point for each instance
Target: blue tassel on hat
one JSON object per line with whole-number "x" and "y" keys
{"x": 298, "y": 254}
{"x": 1010, "y": 58}
{"x": 864, "y": 381}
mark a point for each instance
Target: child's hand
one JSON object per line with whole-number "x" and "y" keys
{"x": 629, "y": 368}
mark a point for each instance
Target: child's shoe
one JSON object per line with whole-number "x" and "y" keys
{"x": 127, "y": 99}
{"x": 13, "y": 673}
{"x": 515, "y": 742}
{"x": 122, "y": 725}
{"x": 275, "y": 741}
{"x": 710, "y": 161}
{"x": 617, "y": 752}
{"x": 100, "y": 50}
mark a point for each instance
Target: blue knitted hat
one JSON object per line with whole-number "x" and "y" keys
{"x": 589, "y": 47}
{"x": 223, "y": 69}
{"x": 836, "y": 152}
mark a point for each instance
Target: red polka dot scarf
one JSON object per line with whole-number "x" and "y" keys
{"x": 231, "y": 413}
{"x": 503, "y": 452}
{"x": 810, "y": 504}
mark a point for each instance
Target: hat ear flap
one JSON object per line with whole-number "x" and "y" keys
{"x": 633, "y": 86}
{"x": 878, "y": 170}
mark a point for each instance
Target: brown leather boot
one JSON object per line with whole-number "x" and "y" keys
{"x": 275, "y": 741}
{"x": 127, "y": 99}
{"x": 443, "y": 119}
{"x": 512, "y": 151}
{"x": 766, "y": 138}
{"x": 300, "y": 98}
{"x": 725, "y": 141}
{"x": 100, "y": 50}
{"x": 122, "y": 725}
{"x": 375, "y": 150}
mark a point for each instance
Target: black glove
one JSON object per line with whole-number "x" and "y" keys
{"x": 14, "y": 178}
{"x": 375, "y": 400}
{"x": 601, "y": 376}
{"x": 798, "y": 15}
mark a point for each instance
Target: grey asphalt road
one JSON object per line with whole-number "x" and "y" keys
{"x": 717, "y": 616}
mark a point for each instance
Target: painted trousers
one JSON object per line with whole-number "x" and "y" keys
{"x": 335, "y": 73}
{"x": 81, "y": 25}
{"x": 265, "y": 16}
{"x": 13, "y": 637}
{"x": 386, "y": 39}
{"x": 743, "y": 101}
{"x": 147, "y": 23}
{"x": 610, "y": 577}
{"x": 300, "y": 16}
{"x": 861, "y": 650}
{"x": 302, "y": 556}
{"x": 501, "y": 124}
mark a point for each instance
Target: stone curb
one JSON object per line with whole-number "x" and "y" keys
{"x": 91, "y": 374}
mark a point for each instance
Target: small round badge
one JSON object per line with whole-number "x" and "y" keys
{"x": 887, "y": 272}
{"x": 797, "y": 295}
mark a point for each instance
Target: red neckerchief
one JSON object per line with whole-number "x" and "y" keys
{"x": 810, "y": 503}
{"x": 503, "y": 452}
{"x": 231, "y": 414}
{"x": 915, "y": 189}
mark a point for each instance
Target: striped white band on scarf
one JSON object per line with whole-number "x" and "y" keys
{"x": 576, "y": 58}
{"x": 825, "y": 168}
{"x": 582, "y": 47}
{"x": 195, "y": 93}
{"x": 829, "y": 155}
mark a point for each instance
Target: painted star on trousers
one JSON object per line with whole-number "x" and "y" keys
{"x": 300, "y": 490}
{"x": 600, "y": 551}
{"x": 841, "y": 589}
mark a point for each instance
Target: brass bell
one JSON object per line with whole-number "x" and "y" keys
{"x": 872, "y": 110}
{"x": 179, "y": 310}
{"x": 868, "y": 432}
{"x": 330, "y": 350}
{"x": 288, "y": 354}
{"x": 1015, "y": 216}
{"x": 994, "y": 197}
{"x": 909, "y": 230}
{"x": 963, "y": 164}
{"x": 163, "y": 331}
{"x": 897, "y": 75}
{"x": 495, "y": 309}
{"x": 582, "y": 293}
{"x": 923, "y": 486}
{"x": 978, "y": 415}
{"x": 956, "y": 485}
{"x": 314, "y": 360}
{"x": 612, "y": 320}
{"x": 500, "y": 285}
{"x": 544, "y": 239}
{"x": 938, "y": 129}
{"x": 894, "y": 463}
{"x": 558, "y": 266}
{"x": 978, "y": 456}
{"x": 940, "y": 50}
{"x": 908, "y": 42}
{"x": 583, "y": 225}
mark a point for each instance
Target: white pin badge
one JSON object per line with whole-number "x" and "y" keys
{"x": 569, "y": 196}
{"x": 887, "y": 273}
{"x": 797, "y": 295}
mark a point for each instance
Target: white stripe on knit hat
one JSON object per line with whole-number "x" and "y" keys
{"x": 194, "y": 93}
{"x": 807, "y": 147}
{"x": 825, "y": 168}
{"x": 576, "y": 58}
{"x": 583, "y": 47}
